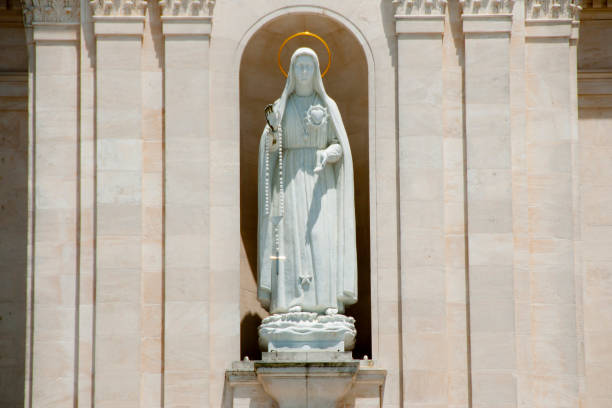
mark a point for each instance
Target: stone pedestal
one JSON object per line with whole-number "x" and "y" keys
{"x": 302, "y": 380}
{"x": 303, "y": 331}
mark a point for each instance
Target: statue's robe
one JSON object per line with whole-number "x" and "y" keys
{"x": 315, "y": 265}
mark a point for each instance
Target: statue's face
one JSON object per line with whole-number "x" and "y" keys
{"x": 304, "y": 70}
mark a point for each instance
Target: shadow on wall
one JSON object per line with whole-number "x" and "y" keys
{"x": 249, "y": 342}
{"x": 261, "y": 82}
{"x": 13, "y": 207}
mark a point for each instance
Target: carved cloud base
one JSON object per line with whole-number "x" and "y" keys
{"x": 303, "y": 331}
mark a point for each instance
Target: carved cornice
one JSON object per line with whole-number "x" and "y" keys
{"x": 187, "y": 8}
{"x": 552, "y": 9}
{"x": 597, "y": 4}
{"x": 118, "y": 8}
{"x": 11, "y": 12}
{"x": 486, "y": 7}
{"x": 596, "y": 10}
{"x": 51, "y": 11}
{"x": 404, "y": 8}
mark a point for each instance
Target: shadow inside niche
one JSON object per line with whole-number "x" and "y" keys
{"x": 14, "y": 178}
{"x": 249, "y": 339}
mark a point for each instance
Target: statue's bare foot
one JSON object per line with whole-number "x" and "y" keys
{"x": 330, "y": 311}
{"x": 295, "y": 309}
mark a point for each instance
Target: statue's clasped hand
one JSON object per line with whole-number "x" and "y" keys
{"x": 271, "y": 117}
{"x": 324, "y": 157}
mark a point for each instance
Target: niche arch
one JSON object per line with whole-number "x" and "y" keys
{"x": 260, "y": 83}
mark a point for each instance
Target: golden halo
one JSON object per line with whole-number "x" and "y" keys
{"x": 307, "y": 33}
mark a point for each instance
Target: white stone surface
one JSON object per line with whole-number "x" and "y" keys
{"x": 489, "y": 199}
{"x": 306, "y": 233}
{"x": 119, "y": 229}
{"x": 186, "y": 237}
{"x": 55, "y": 228}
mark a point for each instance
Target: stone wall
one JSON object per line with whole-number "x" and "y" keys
{"x": 485, "y": 126}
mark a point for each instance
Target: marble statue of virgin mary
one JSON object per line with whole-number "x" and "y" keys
{"x": 306, "y": 209}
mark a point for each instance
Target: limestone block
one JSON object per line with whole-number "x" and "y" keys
{"x": 553, "y": 284}
{"x": 116, "y": 284}
{"x": 186, "y": 387}
{"x": 425, "y": 387}
{"x": 558, "y": 391}
{"x": 494, "y": 388}
{"x": 491, "y": 349}
{"x": 425, "y": 352}
{"x": 555, "y": 355}
{"x": 424, "y": 283}
{"x": 422, "y": 316}
{"x": 491, "y": 249}
{"x": 488, "y": 317}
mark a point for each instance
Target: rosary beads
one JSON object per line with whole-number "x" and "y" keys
{"x": 280, "y": 171}
{"x": 267, "y": 193}
{"x": 267, "y": 143}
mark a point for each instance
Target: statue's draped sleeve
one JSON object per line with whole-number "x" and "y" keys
{"x": 264, "y": 233}
{"x": 347, "y": 254}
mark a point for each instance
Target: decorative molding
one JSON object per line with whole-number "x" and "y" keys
{"x": 9, "y": 5}
{"x": 552, "y": 9}
{"x": 595, "y": 82}
{"x": 404, "y": 8}
{"x": 596, "y": 10}
{"x": 51, "y": 11}
{"x": 187, "y": 8}
{"x": 486, "y": 7}
{"x": 597, "y": 4}
{"x": 118, "y": 8}
{"x": 595, "y": 89}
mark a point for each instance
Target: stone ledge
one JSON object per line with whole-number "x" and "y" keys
{"x": 430, "y": 24}
{"x": 56, "y": 31}
{"x": 487, "y": 23}
{"x": 549, "y": 28}
{"x": 182, "y": 26}
{"x": 119, "y": 25}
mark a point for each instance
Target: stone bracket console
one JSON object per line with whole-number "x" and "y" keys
{"x": 304, "y": 380}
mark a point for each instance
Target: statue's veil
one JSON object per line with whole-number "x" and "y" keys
{"x": 290, "y": 83}
{"x": 345, "y": 213}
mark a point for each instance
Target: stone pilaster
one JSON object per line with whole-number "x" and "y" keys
{"x": 224, "y": 227}
{"x": 118, "y": 28}
{"x": 87, "y": 175}
{"x": 420, "y": 27}
{"x": 549, "y": 135}
{"x": 577, "y": 205}
{"x": 487, "y": 25}
{"x": 186, "y": 29}
{"x": 54, "y": 184}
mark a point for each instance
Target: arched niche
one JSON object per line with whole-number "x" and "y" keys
{"x": 261, "y": 83}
